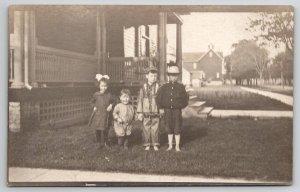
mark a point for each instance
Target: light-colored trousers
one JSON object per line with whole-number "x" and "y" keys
{"x": 151, "y": 131}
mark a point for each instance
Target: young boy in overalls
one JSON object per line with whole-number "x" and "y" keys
{"x": 147, "y": 110}
{"x": 172, "y": 97}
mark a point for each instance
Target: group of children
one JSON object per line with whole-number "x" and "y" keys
{"x": 154, "y": 102}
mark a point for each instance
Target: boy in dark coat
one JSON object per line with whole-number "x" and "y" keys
{"x": 172, "y": 97}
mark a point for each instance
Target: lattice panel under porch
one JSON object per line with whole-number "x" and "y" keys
{"x": 64, "y": 108}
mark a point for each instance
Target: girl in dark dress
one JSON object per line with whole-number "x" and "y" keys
{"x": 102, "y": 102}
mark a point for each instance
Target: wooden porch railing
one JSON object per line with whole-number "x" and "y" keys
{"x": 56, "y": 65}
{"x": 128, "y": 69}
{"x": 62, "y": 66}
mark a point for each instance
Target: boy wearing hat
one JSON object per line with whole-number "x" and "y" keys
{"x": 172, "y": 97}
{"x": 147, "y": 110}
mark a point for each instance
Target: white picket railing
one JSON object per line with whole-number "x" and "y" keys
{"x": 62, "y": 66}
{"x": 56, "y": 65}
{"x": 127, "y": 69}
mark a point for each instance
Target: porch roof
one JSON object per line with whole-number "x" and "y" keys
{"x": 139, "y": 15}
{"x": 122, "y": 14}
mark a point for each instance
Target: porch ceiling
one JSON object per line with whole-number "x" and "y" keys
{"x": 136, "y": 15}
{"x": 73, "y": 27}
{"x": 119, "y": 14}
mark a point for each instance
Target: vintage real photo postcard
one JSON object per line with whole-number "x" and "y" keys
{"x": 149, "y": 95}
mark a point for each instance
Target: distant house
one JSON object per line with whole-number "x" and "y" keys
{"x": 202, "y": 66}
{"x": 186, "y": 77}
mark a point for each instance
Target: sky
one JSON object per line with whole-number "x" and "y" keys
{"x": 221, "y": 29}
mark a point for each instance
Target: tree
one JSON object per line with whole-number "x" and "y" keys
{"x": 260, "y": 56}
{"x": 276, "y": 28}
{"x": 248, "y": 60}
{"x": 241, "y": 60}
{"x": 228, "y": 68}
{"x": 271, "y": 72}
{"x": 283, "y": 67}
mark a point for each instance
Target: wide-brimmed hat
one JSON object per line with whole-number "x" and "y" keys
{"x": 173, "y": 70}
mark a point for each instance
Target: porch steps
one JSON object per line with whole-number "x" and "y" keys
{"x": 192, "y": 97}
{"x": 205, "y": 112}
{"x": 197, "y": 104}
{"x": 196, "y": 109}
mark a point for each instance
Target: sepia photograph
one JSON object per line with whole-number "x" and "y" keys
{"x": 150, "y": 95}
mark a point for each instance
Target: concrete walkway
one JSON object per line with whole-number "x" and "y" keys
{"x": 277, "y": 96}
{"x": 191, "y": 111}
{"x": 259, "y": 114}
{"x": 251, "y": 113}
{"x": 17, "y": 174}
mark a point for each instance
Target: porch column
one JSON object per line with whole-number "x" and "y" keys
{"x": 147, "y": 33}
{"x": 98, "y": 41}
{"x": 162, "y": 45}
{"x": 137, "y": 41}
{"x": 17, "y": 42}
{"x": 101, "y": 42}
{"x": 29, "y": 50}
{"x": 26, "y": 47}
{"x": 179, "y": 48}
{"x": 32, "y": 41}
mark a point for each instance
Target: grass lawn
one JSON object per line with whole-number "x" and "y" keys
{"x": 240, "y": 148}
{"x": 233, "y": 97}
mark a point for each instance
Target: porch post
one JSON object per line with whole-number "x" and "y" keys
{"x": 18, "y": 43}
{"x": 147, "y": 33}
{"x": 26, "y": 47}
{"x": 179, "y": 48}
{"x": 103, "y": 40}
{"x": 137, "y": 41}
{"x": 32, "y": 49}
{"x": 98, "y": 41}
{"x": 162, "y": 45}
{"x": 29, "y": 49}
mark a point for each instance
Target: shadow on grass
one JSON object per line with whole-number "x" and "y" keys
{"x": 135, "y": 138}
{"x": 193, "y": 132}
{"x": 192, "y": 129}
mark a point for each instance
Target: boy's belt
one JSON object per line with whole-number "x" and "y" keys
{"x": 151, "y": 115}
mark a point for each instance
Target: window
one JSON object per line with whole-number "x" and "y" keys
{"x": 195, "y": 65}
{"x": 218, "y": 75}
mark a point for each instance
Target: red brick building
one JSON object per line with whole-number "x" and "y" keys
{"x": 207, "y": 66}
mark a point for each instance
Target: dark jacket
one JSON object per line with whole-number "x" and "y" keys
{"x": 172, "y": 96}
{"x": 100, "y": 120}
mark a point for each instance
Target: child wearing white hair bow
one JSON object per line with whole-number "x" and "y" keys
{"x": 102, "y": 103}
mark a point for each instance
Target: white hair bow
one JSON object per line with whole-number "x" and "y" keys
{"x": 99, "y": 77}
